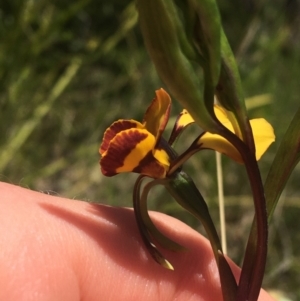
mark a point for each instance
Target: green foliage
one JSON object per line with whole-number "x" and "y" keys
{"x": 70, "y": 68}
{"x": 65, "y": 75}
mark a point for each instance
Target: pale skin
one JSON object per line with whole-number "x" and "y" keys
{"x": 53, "y": 248}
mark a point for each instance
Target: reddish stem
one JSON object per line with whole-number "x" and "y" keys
{"x": 252, "y": 274}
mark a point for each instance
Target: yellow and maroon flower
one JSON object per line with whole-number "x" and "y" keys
{"x": 263, "y": 134}
{"x": 131, "y": 146}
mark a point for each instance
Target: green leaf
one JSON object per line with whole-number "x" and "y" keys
{"x": 230, "y": 94}
{"x": 287, "y": 157}
{"x": 207, "y": 35}
{"x": 203, "y": 28}
{"x": 174, "y": 56}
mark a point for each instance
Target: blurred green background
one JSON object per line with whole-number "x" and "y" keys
{"x": 68, "y": 69}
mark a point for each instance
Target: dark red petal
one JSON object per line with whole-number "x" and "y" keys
{"x": 114, "y": 129}
{"x": 149, "y": 166}
{"x": 119, "y": 148}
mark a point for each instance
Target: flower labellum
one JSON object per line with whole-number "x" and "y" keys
{"x": 131, "y": 146}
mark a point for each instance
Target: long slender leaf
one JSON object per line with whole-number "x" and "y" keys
{"x": 287, "y": 157}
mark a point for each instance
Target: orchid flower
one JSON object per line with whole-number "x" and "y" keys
{"x": 132, "y": 146}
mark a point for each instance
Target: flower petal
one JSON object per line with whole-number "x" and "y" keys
{"x": 131, "y": 150}
{"x": 183, "y": 120}
{"x": 263, "y": 136}
{"x": 220, "y": 144}
{"x": 162, "y": 156}
{"x": 149, "y": 166}
{"x": 228, "y": 119}
{"x": 116, "y": 128}
{"x": 217, "y": 142}
{"x": 157, "y": 114}
{"x": 222, "y": 116}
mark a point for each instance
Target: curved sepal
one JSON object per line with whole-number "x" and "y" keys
{"x": 163, "y": 240}
{"x": 147, "y": 228}
{"x": 157, "y": 114}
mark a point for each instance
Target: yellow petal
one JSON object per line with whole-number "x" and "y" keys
{"x": 114, "y": 129}
{"x": 131, "y": 151}
{"x": 183, "y": 120}
{"x": 222, "y": 116}
{"x": 157, "y": 114}
{"x": 220, "y": 144}
{"x": 263, "y": 136}
{"x": 162, "y": 156}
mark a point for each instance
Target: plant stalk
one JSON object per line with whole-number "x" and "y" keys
{"x": 252, "y": 276}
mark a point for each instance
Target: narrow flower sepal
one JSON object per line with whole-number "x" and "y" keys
{"x": 183, "y": 120}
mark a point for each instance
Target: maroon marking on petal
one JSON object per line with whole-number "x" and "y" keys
{"x": 119, "y": 149}
{"x": 175, "y": 133}
{"x": 113, "y": 130}
{"x": 149, "y": 166}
